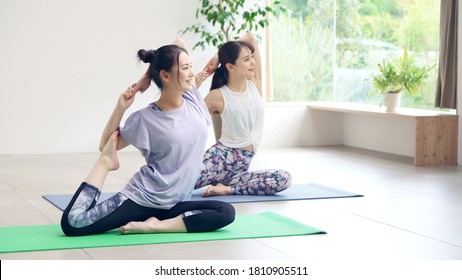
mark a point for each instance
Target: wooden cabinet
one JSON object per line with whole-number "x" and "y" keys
{"x": 436, "y": 140}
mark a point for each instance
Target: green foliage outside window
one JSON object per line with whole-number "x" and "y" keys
{"x": 335, "y": 57}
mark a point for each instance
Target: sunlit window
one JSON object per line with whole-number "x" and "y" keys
{"x": 327, "y": 50}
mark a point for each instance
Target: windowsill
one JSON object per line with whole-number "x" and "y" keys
{"x": 434, "y": 133}
{"x": 348, "y": 107}
{"x": 286, "y": 104}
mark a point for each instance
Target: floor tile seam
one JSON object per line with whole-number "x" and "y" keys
{"x": 87, "y": 253}
{"x": 272, "y": 248}
{"x": 407, "y": 230}
{"x": 8, "y": 184}
{"x": 37, "y": 209}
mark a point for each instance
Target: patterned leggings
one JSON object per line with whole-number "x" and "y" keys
{"x": 229, "y": 166}
{"x": 84, "y": 217}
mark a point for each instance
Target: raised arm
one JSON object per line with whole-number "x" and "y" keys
{"x": 257, "y": 79}
{"x": 125, "y": 100}
{"x": 207, "y": 71}
{"x": 143, "y": 83}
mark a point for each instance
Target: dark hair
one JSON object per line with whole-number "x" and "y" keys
{"x": 228, "y": 53}
{"x": 163, "y": 58}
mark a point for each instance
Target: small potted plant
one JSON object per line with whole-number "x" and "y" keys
{"x": 401, "y": 74}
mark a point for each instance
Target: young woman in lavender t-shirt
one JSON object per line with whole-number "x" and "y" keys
{"x": 171, "y": 134}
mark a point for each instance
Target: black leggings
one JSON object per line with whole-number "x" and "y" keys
{"x": 84, "y": 217}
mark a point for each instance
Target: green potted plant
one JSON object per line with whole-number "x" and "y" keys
{"x": 401, "y": 74}
{"x": 228, "y": 20}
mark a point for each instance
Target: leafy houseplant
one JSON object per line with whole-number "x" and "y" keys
{"x": 229, "y": 19}
{"x": 398, "y": 75}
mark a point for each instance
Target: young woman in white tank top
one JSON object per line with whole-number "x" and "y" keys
{"x": 236, "y": 104}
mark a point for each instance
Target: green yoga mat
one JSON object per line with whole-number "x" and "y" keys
{"x": 50, "y": 237}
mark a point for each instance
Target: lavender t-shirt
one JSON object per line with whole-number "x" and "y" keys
{"x": 173, "y": 144}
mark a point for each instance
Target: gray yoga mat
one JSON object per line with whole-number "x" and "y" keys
{"x": 294, "y": 192}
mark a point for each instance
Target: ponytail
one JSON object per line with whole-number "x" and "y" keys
{"x": 220, "y": 77}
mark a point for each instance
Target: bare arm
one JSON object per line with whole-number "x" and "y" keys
{"x": 181, "y": 43}
{"x": 217, "y": 126}
{"x": 207, "y": 71}
{"x": 211, "y": 65}
{"x": 111, "y": 126}
{"x": 144, "y": 82}
{"x": 125, "y": 100}
{"x": 215, "y": 104}
{"x": 257, "y": 79}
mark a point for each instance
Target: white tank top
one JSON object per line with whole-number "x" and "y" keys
{"x": 242, "y": 117}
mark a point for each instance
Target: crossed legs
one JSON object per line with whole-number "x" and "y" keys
{"x": 84, "y": 213}
{"x": 83, "y": 216}
{"x": 225, "y": 171}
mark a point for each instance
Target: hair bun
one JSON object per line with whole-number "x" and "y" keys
{"x": 146, "y": 56}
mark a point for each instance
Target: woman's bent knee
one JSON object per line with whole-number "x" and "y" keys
{"x": 286, "y": 179}
{"x": 229, "y": 214}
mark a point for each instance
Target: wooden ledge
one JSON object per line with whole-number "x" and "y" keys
{"x": 436, "y": 132}
{"x": 347, "y": 107}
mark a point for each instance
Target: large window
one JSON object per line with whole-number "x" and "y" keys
{"x": 327, "y": 50}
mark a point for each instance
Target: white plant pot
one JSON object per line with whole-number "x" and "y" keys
{"x": 392, "y": 101}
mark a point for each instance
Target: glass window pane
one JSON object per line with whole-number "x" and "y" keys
{"x": 319, "y": 57}
{"x": 302, "y": 47}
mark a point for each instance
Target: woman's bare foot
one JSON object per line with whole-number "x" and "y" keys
{"x": 154, "y": 225}
{"x": 218, "y": 189}
{"x": 109, "y": 153}
{"x": 151, "y": 225}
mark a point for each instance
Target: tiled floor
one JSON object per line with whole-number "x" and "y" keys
{"x": 406, "y": 213}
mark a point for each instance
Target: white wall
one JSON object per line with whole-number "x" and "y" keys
{"x": 322, "y": 128}
{"x": 366, "y": 131}
{"x": 282, "y": 126}
{"x": 388, "y": 135}
{"x": 64, "y": 63}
